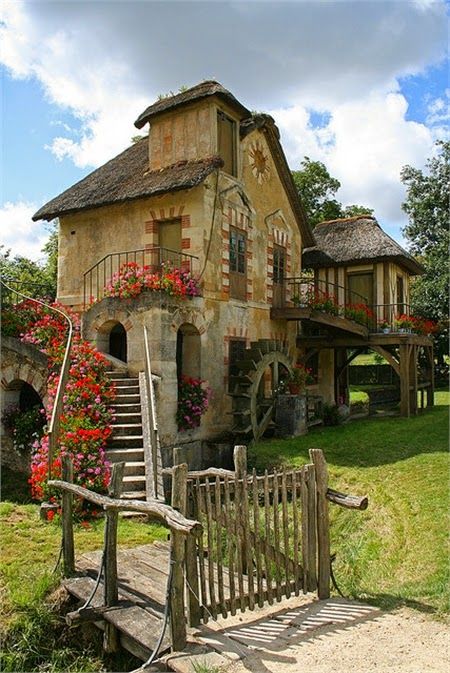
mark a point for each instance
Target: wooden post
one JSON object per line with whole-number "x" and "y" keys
{"x": 430, "y": 389}
{"x": 177, "y": 558}
{"x": 404, "y": 380}
{"x": 240, "y": 469}
{"x": 323, "y": 525}
{"x": 413, "y": 377}
{"x": 190, "y": 510}
{"x": 111, "y": 591}
{"x": 67, "y": 519}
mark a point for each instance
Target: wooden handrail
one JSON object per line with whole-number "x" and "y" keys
{"x": 168, "y": 515}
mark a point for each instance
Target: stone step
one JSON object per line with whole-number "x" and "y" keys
{"x": 123, "y": 383}
{"x": 127, "y": 416}
{"x": 126, "y": 442}
{"x": 125, "y": 455}
{"x": 131, "y": 389}
{"x": 114, "y": 374}
{"x": 126, "y": 408}
{"x": 127, "y": 429}
{"x": 133, "y": 495}
{"x": 133, "y": 482}
{"x": 127, "y": 398}
{"x": 134, "y": 468}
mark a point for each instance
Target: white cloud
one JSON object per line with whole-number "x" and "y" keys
{"x": 106, "y": 61}
{"x": 19, "y": 233}
{"x": 365, "y": 144}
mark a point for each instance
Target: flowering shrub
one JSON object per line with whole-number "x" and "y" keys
{"x": 360, "y": 313}
{"x": 24, "y": 426}
{"x": 193, "y": 401}
{"x": 301, "y": 376}
{"x": 319, "y": 300}
{"x": 132, "y": 279}
{"x": 415, "y": 324}
{"x": 85, "y": 423}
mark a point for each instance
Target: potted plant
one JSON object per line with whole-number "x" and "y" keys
{"x": 300, "y": 377}
{"x": 385, "y": 326}
{"x": 404, "y": 323}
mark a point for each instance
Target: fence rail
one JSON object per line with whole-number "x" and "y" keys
{"x": 96, "y": 279}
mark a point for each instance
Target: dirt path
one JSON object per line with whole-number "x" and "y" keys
{"x": 400, "y": 642}
{"x": 332, "y": 636}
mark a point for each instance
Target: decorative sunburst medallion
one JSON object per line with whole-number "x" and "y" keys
{"x": 259, "y": 162}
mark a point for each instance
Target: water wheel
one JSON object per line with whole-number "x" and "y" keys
{"x": 265, "y": 365}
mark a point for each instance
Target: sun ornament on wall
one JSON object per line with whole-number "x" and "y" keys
{"x": 259, "y": 162}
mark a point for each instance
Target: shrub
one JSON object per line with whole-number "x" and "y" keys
{"x": 331, "y": 415}
{"x": 24, "y": 426}
{"x": 193, "y": 401}
{"x": 132, "y": 279}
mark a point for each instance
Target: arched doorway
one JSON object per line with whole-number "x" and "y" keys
{"x": 188, "y": 351}
{"x": 23, "y": 420}
{"x": 118, "y": 342}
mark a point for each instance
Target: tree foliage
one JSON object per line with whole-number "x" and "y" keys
{"x": 37, "y": 278}
{"x": 427, "y": 207}
{"x": 317, "y": 190}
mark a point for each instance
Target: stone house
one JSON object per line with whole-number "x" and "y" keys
{"x": 210, "y": 191}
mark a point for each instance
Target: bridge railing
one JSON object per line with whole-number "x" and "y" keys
{"x": 180, "y": 529}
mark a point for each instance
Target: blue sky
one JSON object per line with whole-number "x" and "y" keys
{"x": 362, "y": 86}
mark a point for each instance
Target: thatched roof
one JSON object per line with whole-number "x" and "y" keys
{"x": 202, "y": 90}
{"x": 355, "y": 240}
{"x": 125, "y": 178}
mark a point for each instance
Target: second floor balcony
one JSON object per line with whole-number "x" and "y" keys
{"x": 314, "y": 301}
{"x": 125, "y": 274}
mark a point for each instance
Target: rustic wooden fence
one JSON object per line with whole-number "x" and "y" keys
{"x": 265, "y": 537}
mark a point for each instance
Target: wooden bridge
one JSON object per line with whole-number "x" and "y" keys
{"x": 237, "y": 541}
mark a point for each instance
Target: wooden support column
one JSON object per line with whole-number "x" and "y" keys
{"x": 404, "y": 380}
{"x": 430, "y": 389}
{"x": 323, "y": 523}
{"x": 177, "y": 557}
{"x": 240, "y": 469}
{"x": 111, "y": 590}
{"x": 413, "y": 375}
{"x": 67, "y": 519}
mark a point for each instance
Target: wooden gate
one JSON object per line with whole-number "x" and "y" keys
{"x": 265, "y": 537}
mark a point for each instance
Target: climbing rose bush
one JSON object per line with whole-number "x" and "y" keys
{"x": 132, "y": 279}
{"x": 87, "y": 414}
{"x": 193, "y": 401}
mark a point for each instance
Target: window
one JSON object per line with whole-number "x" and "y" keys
{"x": 279, "y": 267}
{"x": 226, "y": 142}
{"x": 238, "y": 266}
{"x": 169, "y": 234}
{"x": 236, "y": 352}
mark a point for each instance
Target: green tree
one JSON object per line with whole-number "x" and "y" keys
{"x": 36, "y": 278}
{"x": 427, "y": 207}
{"x": 317, "y": 189}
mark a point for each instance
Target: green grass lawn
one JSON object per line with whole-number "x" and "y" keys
{"x": 33, "y": 633}
{"x": 396, "y": 552}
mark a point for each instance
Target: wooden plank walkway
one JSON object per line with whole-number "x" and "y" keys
{"x": 143, "y": 573}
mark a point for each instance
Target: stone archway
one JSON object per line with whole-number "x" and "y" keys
{"x": 112, "y": 339}
{"x": 188, "y": 354}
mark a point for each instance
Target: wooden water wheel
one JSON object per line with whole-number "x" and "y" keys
{"x": 265, "y": 365}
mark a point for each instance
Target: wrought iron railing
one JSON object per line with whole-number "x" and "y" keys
{"x": 55, "y": 419}
{"x": 100, "y": 274}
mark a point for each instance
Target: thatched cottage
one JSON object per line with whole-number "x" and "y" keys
{"x": 209, "y": 192}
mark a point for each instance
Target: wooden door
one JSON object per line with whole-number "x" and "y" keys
{"x": 169, "y": 239}
{"x": 360, "y": 288}
{"x": 279, "y": 270}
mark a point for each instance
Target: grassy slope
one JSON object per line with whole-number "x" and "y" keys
{"x": 397, "y": 551}
{"x": 34, "y": 635}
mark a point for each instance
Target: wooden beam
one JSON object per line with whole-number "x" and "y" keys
{"x": 67, "y": 519}
{"x": 404, "y": 380}
{"x": 111, "y": 589}
{"x": 387, "y": 355}
{"x": 348, "y": 501}
{"x": 177, "y": 559}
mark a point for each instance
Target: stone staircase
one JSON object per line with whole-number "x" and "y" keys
{"x": 126, "y": 441}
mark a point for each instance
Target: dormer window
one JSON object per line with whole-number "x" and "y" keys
{"x": 226, "y": 142}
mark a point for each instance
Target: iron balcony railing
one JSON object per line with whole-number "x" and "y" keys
{"x": 320, "y": 295}
{"x": 101, "y": 273}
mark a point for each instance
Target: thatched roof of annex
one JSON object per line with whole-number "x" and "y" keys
{"x": 126, "y": 178}
{"x": 355, "y": 240}
{"x": 202, "y": 90}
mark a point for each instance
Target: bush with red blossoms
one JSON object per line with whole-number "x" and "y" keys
{"x": 86, "y": 416}
{"x": 132, "y": 279}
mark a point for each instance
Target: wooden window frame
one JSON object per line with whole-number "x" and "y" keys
{"x": 232, "y": 360}
{"x": 221, "y": 116}
{"x": 238, "y": 264}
